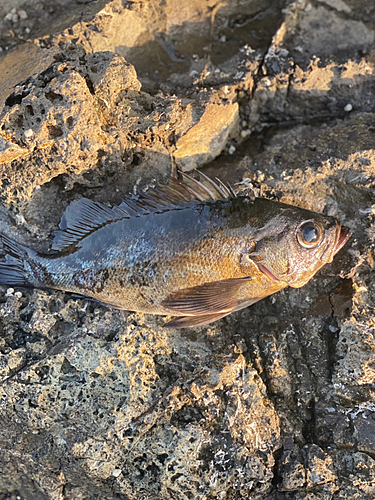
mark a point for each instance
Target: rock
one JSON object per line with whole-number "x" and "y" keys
{"x": 301, "y": 82}
{"x": 339, "y": 5}
{"x": 18, "y": 25}
{"x": 150, "y": 34}
{"x": 319, "y": 468}
{"x": 61, "y": 113}
{"x": 27, "y": 61}
{"x": 363, "y": 424}
{"x": 293, "y": 471}
{"x": 84, "y": 107}
{"x": 350, "y": 35}
{"x": 361, "y": 467}
{"x": 207, "y": 139}
{"x": 153, "y": 429}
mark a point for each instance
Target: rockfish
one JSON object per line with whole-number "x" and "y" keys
{"x": 192, "y": 249}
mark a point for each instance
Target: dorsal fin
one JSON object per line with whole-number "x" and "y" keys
{"x": 81, "y": 218}
{"x": 214, "y": 190}
{"x": 178, "y": 194}
{"x": 84, "y": 216}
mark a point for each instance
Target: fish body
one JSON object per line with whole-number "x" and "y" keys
{"x": 193, "y": 250}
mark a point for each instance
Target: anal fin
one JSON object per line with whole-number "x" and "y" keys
{"x": 193, "y": 321}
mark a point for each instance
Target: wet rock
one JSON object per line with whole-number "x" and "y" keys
{"x": 164, "y": 40}
{"x": 304, "y": 76}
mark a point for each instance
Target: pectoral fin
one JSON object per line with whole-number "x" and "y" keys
{"x": 200, "y": 320}
{"x": 209, "y": 298}
{"x": 204, "y": 319}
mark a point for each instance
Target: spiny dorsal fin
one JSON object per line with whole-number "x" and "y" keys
{"x": 215, "y": 190}
{"x": 179, "y": 193}
{"x": 206, "y": 189}
{"x": 84, "y": 216}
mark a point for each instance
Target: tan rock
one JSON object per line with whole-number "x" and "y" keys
{"x": 207, "y": 139}
{"x": 66, "y": 127}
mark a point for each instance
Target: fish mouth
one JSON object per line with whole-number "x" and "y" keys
{"x": 342, "y": 236}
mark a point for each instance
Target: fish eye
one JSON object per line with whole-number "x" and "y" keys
{"x": 309, "y": 234}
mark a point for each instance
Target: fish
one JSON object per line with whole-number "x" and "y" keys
{"x": 192, "y": 249}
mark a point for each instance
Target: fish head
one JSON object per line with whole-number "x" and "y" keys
{"x": 295, "y": 244}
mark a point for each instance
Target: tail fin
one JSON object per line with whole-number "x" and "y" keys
{"x": 12, "y": 271}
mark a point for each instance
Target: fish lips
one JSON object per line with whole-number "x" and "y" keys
{"x": 341, "y": 237}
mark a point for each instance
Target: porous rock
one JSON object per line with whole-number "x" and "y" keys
{"x": 83, "y": 107}
{"x": 136, "y": 405}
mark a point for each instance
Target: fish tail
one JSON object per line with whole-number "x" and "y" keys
{"x": 12, "y": 271}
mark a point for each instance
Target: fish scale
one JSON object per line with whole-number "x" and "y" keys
{"x": 192, "y": 249}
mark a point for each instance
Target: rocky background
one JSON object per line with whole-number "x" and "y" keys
{"x": 102, "y": 98}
